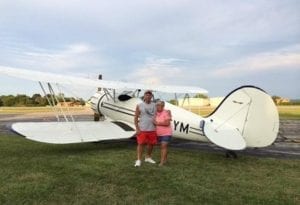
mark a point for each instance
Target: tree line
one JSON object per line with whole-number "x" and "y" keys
{"x": 34, "y": 100}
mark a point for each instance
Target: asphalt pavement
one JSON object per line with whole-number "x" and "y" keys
{"x": 287, "y": 144}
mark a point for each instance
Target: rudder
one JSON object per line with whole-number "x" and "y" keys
{"x": 252, "y": 112}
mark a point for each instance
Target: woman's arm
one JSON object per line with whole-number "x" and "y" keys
{"x": 167, "y": 121}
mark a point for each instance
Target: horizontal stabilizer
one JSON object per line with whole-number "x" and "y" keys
{"x": 73, "y": 132}
{"x": 226, "y": 136}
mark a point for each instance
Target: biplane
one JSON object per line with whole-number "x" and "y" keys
{"x": 247, "y": 117}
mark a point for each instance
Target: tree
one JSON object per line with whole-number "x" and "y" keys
{"x": 39, "y": 100}
{"x": 35, "y": 100}
{"x": 173, "y": 102}
{"x": 199, "y": 95}
{"x": 8, "y": 100}
{"x": 42, "y": 101}
{"x": 276, "y": 99}
{"x": 50, "y": 99}
{"x": 36, "y": 97}
{"x": 81, "y": 101}
{"x": 23, "y": 100}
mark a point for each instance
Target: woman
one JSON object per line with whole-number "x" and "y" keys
{"x": 162, "y": 121}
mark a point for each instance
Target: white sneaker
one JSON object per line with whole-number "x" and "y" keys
{"x": 150, "y": 160}
{"x": 138, "y": 163}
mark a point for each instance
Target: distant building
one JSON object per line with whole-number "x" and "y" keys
{"x": 279, "y": 101}
{"x": 200, "y": 102}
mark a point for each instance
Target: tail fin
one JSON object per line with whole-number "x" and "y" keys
{"x": 250, "y": 111}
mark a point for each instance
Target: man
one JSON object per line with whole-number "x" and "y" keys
{"x": 145, "y": 129}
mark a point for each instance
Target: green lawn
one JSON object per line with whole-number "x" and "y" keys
{"x": 26, "y": 110}
{"x": 285, "y": 112}
{"x": 103, "y": 173}
{"x": 289, "y": 112}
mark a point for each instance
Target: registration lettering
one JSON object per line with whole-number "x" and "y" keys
{"x": 181, "y": 127}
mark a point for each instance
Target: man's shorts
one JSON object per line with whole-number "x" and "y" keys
{"x": 147, "y": 137}
{"x": 164, "y": 139}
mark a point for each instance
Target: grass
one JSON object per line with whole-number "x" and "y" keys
{"x": 285, "y": 112}
{"x": 103, "y": 173}
{"x": 289, "y": 112}
{"x": 27, "y": 110}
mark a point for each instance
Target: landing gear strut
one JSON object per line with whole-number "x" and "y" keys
{"x": 98, "y": 117}
{"x": 231, "y": 154}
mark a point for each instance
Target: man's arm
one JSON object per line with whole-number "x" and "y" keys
{"x": 136, "y": 119}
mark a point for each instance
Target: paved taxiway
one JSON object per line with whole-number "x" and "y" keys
{"x": 287, "y": 144}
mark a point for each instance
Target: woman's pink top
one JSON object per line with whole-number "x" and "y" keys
{"x": 161, "y": 117}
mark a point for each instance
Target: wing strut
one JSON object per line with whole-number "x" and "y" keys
{"x": 186, "y": 97}
{"x": 108, "y": 94}
{"x": 53, "y": 100}
{"x": 64, "y": 100}
{"x": 52, "y": 104}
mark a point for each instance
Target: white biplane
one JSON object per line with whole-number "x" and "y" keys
{"x": 247, "y": 117}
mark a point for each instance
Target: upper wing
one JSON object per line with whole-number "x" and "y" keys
{"x": 73, "y": 132}
{"x": 62, "y": 79}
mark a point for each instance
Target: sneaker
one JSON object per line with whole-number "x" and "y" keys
{"x": 138, "y": 163}
{"x": 150, "y": 160}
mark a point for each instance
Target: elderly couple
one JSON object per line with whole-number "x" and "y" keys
{"x": 152, "y": 123}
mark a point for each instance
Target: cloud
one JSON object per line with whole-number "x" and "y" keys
{"x": 157, "y": 71}
{"x": 109, "y": 37}
{"x": 283, "y": 59}
{"x": 70, "y": 57}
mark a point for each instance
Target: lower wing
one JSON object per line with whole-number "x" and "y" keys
{"x": 73, "y": 132}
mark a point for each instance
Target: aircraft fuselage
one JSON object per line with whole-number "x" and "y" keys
{"x": 185, "y": 124}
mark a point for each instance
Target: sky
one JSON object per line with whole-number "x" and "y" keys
{"x": 214, "y": 44}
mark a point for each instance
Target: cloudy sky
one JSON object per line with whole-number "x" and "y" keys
{"x": 215, "y": 44}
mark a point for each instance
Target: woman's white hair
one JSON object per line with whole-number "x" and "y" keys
{"x": 160, "y": 102}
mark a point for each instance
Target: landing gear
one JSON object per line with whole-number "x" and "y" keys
{"x": 231, "y": 154}
{"x": 98, "y": 117}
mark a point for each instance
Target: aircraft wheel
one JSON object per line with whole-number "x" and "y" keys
{"x": 231, "y": 154}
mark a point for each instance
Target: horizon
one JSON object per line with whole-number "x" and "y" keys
{"x": 70, "y": 96}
